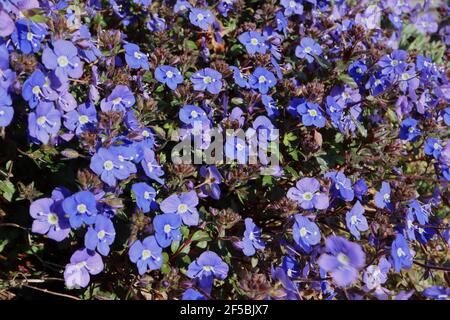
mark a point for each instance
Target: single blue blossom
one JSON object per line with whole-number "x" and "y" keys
{"x": 144, "y": 195}
{"x": 306, "y": 193}
{"x": 101, "y": 236}
{"x": 307, "y": 49}
{"x": 343, "y": 260}
{"x": 169, "y": 76}
{"x": 146, "y": 254}
{"x": 305, "y": 233}
{"x": 356, "y": 221}
{"x": 167, "y": 228}
{"x": 207, "y": 79}
{"x": 134, "y": 57}
{"x": 80, "y": 207}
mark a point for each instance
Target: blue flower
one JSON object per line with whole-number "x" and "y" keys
{"x": 101, "y": 236}
{"x": 437, "y": 293}
{"x": 376, "y": 275}
{"x": 307, "y": 49}
{"x": 254, "y": 42}
{"x": 270, "y": 106}
{"x": 190, "y": 114}
{"x": 28, "y": 36}
{"x": 201, "y": 18}
{"x": 82, "y": 119}
{"x": 360, "y": 188}
{"x": 106, "y": 165}
{"x": 239, "y": 78}
{"x": 120, "y": 99}
{"x": 409, "y": 130}
{"x": 37, "y": 88}
{"x": 262, "y": 80}
{"x": 311, "y": 114}
{"x": 282, "y": 22}
{"x": 169, "y": 75}
{"x": 184, "y": 205}
{"x": 378, "y": 83}
{"x": 81, "y": 207}
{"x": 49, "y": 218}
{"x": 433, "y": 147}
{"x": 207, "y": 267}
{"x": 401, "y": 254}
{"x": 182, "y": 5}
{"x": 305, "y": 233}
{"x": 213, "y": 179}
{"x": 292, "y": 7}
{"x": 306, "y": 193}
{"x": 6, "y": 109}
{"x": 383, "y": 197}
{"x": 356, "y": 222}
{"x": 224, "y": 6}
{"x": 143, "y": 2}
{"x": 446, "y": 116}
{"x": 291, "y": 267}
{"x": 156, "y": 23}
{"x": 146, "y": 254}
{"x": 167, "y": 228}
{"x": 342, "y": 186}
{"x": 207, "y": 79}
{"x": 145, "y": 196}
{"x": 125, "y": 155}
{"x": 236, "y": 149}
{"x": 357, "y": 70}
{"x": 393, "y": 63}
{"x": 343, "y": 260}
{"x": 151, "y": 167}
{"x": 422, "y": 213}
{"x": 192, "y": 294}
{"x": 63, "y": 59}
{"x": 251, "y": 240}
{"x": 134, "y": 57}
{"x": 44, "y": 123}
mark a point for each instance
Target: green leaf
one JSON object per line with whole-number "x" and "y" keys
{"x": 322, "y": 62}
{"x": 174, "y": 246}
{"x": 200, "y": 235}
{"x": 359, "y": 126}
{"x": 7, "y": 189}
{"x": 39, "y": 19}
{"x": 3, "y": 244}
{"x": 254, "y": 262}
{"x": 202, "y": 244}
{"x": 191, "y": 45}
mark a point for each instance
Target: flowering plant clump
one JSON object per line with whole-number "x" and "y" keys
{"x": 230, "y": 149}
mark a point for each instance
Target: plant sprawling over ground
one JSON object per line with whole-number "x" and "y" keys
{"x": 353, "y": 98}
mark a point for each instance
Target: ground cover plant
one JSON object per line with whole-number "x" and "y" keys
{"x": 337, "y": 189}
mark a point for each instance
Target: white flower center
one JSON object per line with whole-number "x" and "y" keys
{"x": 312, "y": 112}
{"x": 81, "y": 208}
{"x": 182, "y": 208}
{"x": 307, "y": 196}
{"x": 41, "y": 120}
{"x": 52, "y": 218}
{"x": 83, "y": 119}
{"x": 108, "y": 165}
{"x": 63, "y": 61}
{"x": 303, "y": 232}
{"x": 343, "y": 259}
{"x": 146, "y": 254}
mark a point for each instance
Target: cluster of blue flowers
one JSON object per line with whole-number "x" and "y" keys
{"x": 361, "y": 112}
